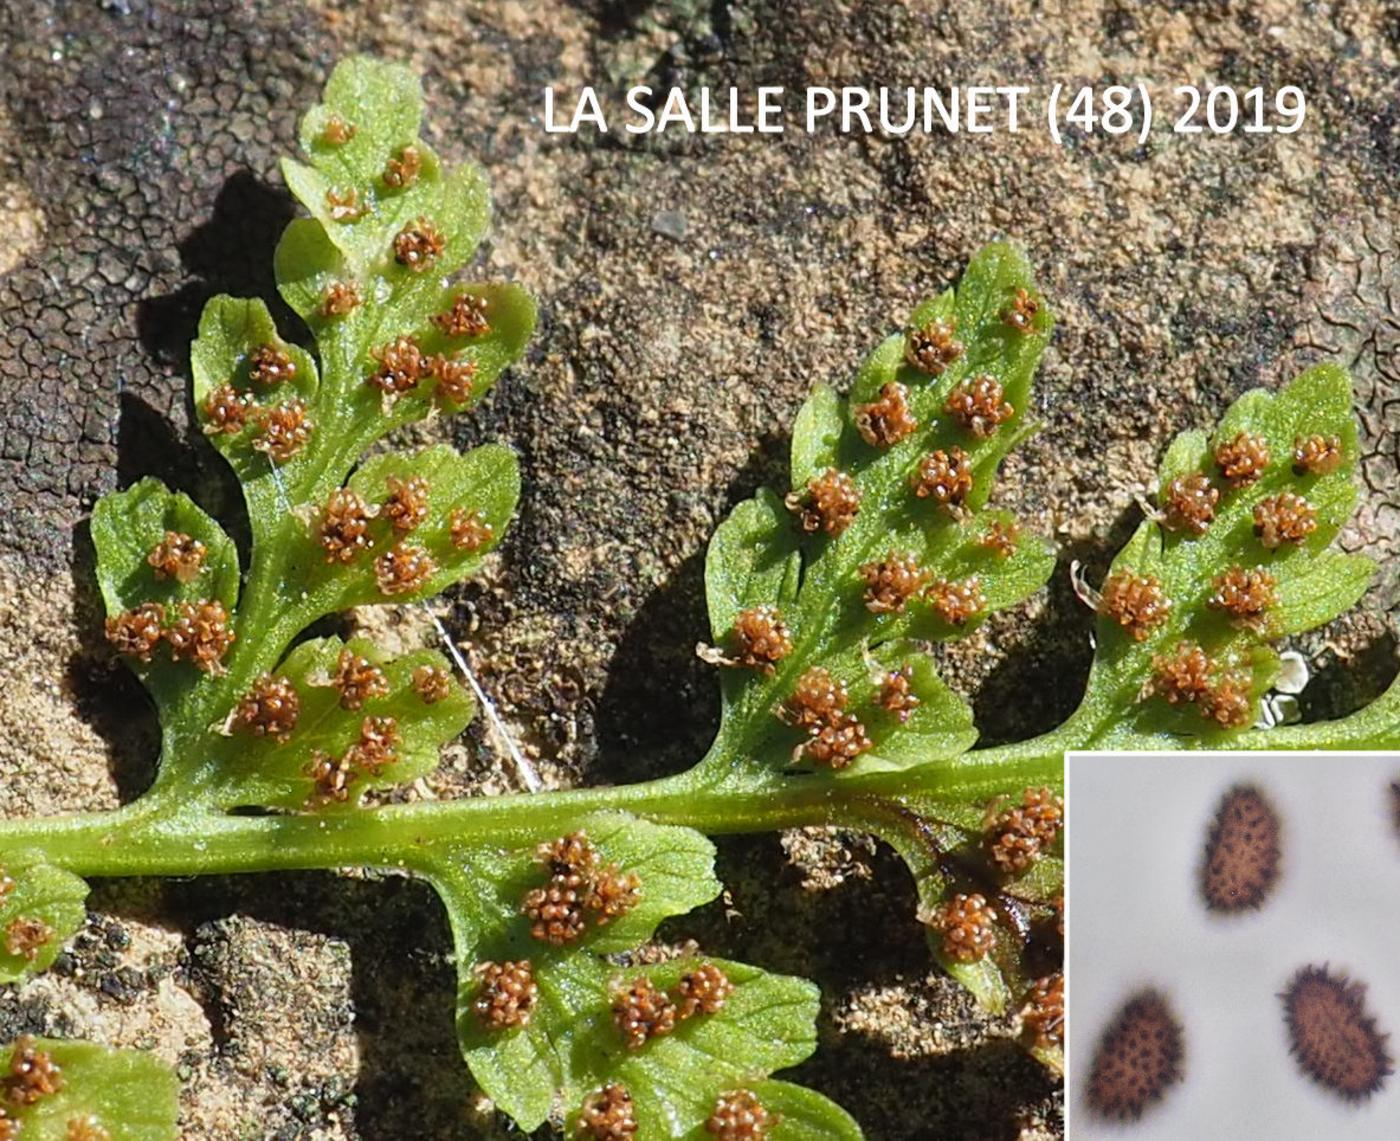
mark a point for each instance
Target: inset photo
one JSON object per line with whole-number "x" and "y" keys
{"x": 1232, "y": 945}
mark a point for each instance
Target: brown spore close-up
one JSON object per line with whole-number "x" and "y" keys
{"x": 1138, "y": 1059}
{"x": 1243, "y": 852}
{"x": 1332, "y": 1036}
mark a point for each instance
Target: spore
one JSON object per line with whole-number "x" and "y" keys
{"x": 1333, "y": 1037}
{"x": 1242, "y": 852}
{"x": 1138, "y": 1058}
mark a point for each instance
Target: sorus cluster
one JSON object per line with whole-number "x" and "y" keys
{"x": 1242, "y": 459}
{"x": 978, "y": 405}
{"x": 1044, "y": 1012}
{"x": 579, "y": 887}
{"x": 1135, "y": 601}
{"x": 418, "y": 245}
{"x": 933, "y": 347}
{"x": 270, "y": 708}
{"x": 740, "y": 1116}
{"x": 642, "y": 1011}
{"x": 608, "y": 1115}
{"x": 760, "y": 638}
{"x": 357, "y": 679}
{"x": 507, "y": 994}
{"x": 945, "y": 477}
{"x": 1189, "y": 676}
{"x": 829, "y": 503}
{"x": 886, "y": 420}
{"x": 1019, "y": 835}
{"x": 969, "y": 931}
{"x": 891, "y": 582}
{"x": 194, "y": 631}
{"x": 34, "y": 1075}
{"x": 26, "y": 937}
{"x": 835, "y": 738}
{"x": 177, "y": 556}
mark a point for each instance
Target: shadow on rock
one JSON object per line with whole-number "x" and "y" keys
{"x": 660, "y": 704}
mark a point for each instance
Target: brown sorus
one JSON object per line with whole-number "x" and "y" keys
{"x": 1333, "y": 1037}
{"x": 402, "y": 170}
{"x": 418, "y": 245}
{"x": 740, "y": 1116}
{"x": 344, "y": 528}
{"x": 465, "y": 317}
{"x": 1247, "y": 596}
{"x": 933, "y": 347}
{"x": 1019, "y": 835}
{"x": 1001, "y": 538}
{"x": 269, "y": 365}
{"x": 331, "y": 778}
{"x": 284, "y": 429}
{"x": 608, "y": 1115}
{"x": 403, "y": 569}
{"x": 556, "y": 911}
{"x": 1317, "y": 455}
{"x": 1020, "y": 314}
{"x": 34, "y": 1074}
{"x": 703, "y": 990}
{"x": 1188, "y": 503}
{"x": 357, "y": 679}
{"x": 507, "y": 994}
{"x": 1229, "y": 703}
{"x": 573, "y": 854}
{"x": 891, "y": 582}
{"x": 829, "y": 503}
{"x": 818, "y": 698}
{"x": 340, "y": 298}
{"x": 1044, "y": 1012}
{"x": 1184, "y": 675}
{"x": 432, "y": 684}
{"x": 612, "y": 894}
{"x": 969, "y": 932}
{"x": 1138, "y": 1059}
{"x": 1242, "y": 459}
{"x": 270, "y": 708}
{"x": 226, "y": 411}
{"x": 345, "y": 205}
{"x": 454, "y": 378}
{"x": 178, "y": 556}
{"x": 1135, "y": 602}
{"x": 200, "y": 633}
{"x": 897, "y": 694}
{"x": 838, "y": 743}
{"x": 1285, "y": 518}
{"x": 26, "y": 937}
{"x": 377, "y": 747}
{"x": 642, "y": 1011}
{"x": 957, "y": 603}
{"x": 469, "y": 530}
{"x": 407, "y": 504}
{"x": 137, "y": 632}
{"x": 1242, "y": 853}
{"x": 886, "y": 420}
{"x": 760, "y": 638}
{"x": 401, "y": 366}
{"x": 945, "y": 477}
{"x": 978, "y": 405}
{"x": 85, "y": 1128}
{"x": 337, "y": 132}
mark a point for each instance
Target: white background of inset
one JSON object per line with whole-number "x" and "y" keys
{"x": 1138, "y": 824}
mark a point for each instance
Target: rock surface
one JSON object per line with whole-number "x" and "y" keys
{"x": 691, "y": 291}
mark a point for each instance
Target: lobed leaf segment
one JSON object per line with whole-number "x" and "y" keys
{"x": 826, "y": 605}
